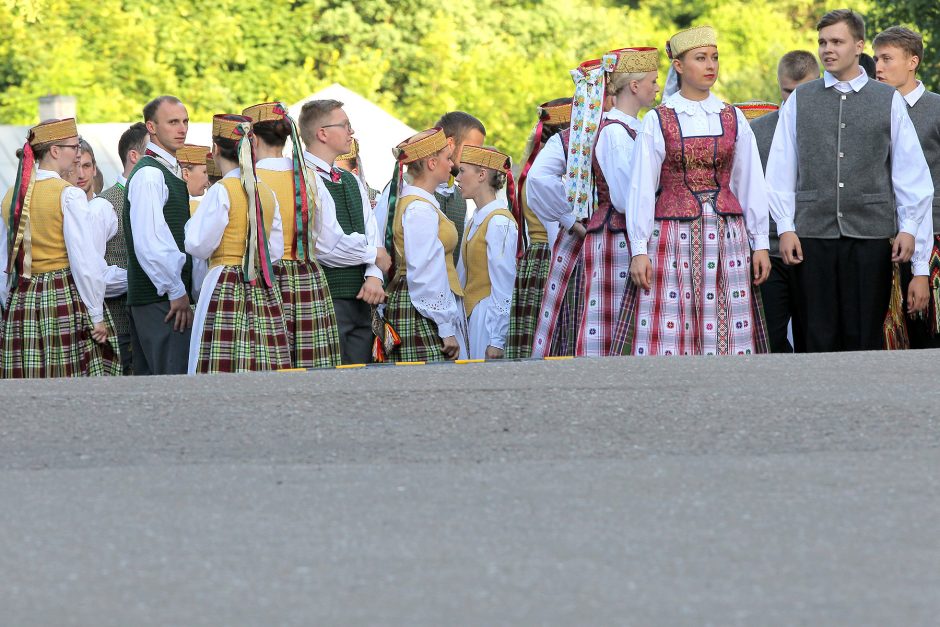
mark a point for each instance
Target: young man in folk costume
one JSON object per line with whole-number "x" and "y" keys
{"x": 308, "y": 306}
{"x": 192, "y": 159}
{"x": 425, "y": 298}
{"x": 159, "y": 272}
{"x": 239, "y": 326}
{"x": 697, "y": 211}
{"x": 592, "y": 256}
{"x": 779, "y": 292}
{"x": 898, "y": 53}
{"x": 487, "y": 264}
{"x": 348, "y": 243}
{"x": 54, "y": 323}
{"x": 131, "y": 148}
{"x": 845, "y": 174}
{"x": 534, "y": 246}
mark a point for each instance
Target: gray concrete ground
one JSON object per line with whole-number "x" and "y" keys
{"x": 761, "y": 491}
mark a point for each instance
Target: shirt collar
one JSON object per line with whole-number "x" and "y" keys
{"x": 681, "y": 104}
{"x": 317, "y": 162}
{"x": 480, "y": 214}
{"x": 122, "y": 180}
{"x": 856, "y": 83}
{"x": 914, "y": 95}
{"x": 448, "y": 188}
{"x": 411, "y": 190}
{"x": 234, "y": 173}
{"x": 276, "y": 164}
{"x": 626, "y": 118}
{"x": 42, "y": 175}
{"x": 160, "y": 152}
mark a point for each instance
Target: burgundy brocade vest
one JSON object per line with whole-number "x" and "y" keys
{"x": 696, "y": 169}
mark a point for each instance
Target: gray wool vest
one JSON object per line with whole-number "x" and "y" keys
{"x": 764, "y": 128}
{"x": 844, "y": 144}
{"x": 925, "y": 114}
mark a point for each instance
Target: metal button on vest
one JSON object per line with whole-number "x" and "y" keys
{"x": 841, "y": 184}
{"x": 839, "y": 214}
{"x": 842, "y": 125}
{"x": 841, "y": 155}
{"x": 843, "y": 96}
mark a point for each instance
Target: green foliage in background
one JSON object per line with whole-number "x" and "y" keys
{"x": 495, "y": 58}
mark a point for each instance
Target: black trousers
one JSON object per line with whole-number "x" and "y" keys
{"x": 354, "y": 321}
{"x": 844, "y": 287}
{"x": 780, "y": 296}
{"x": 156, "y": 348}
{"x": 918, "y": 329}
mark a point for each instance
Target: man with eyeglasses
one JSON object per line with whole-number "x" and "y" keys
{"x": 159, "y": 272}
{"x": 349, "y": 245}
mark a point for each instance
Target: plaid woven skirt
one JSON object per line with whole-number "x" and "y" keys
{"x": 702, "y": 300}
{"x": 46, "y": 332}
{"x": 419, "y": 338}
{"x": 606, "y": 274}
{"x": 531, "y": 273}
{"x": 240, "y": 327}
{"x": 312, "y": 334}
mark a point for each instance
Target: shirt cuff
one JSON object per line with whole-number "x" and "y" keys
{"x": 908, "y": 226}
{"x": 96, "y": 316}
{"x": 785, "y": 225}
{"x": 566, "y": 221}
{"x": 920, "y": 268}
{"x": 177, "y": 291}
{"x": 760, "y": 242}
{"x": 497, "y": 342}
{"x": 638, "y": 247}
{"x": 446, "y": 330}
{"x": 373, "y": 270}
{"x": 371, "y": 253}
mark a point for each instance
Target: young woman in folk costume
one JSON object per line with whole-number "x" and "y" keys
{"x": 307, "y": 304}
{"x": 238, "y": 326}
{"x": 487, "y": 264}
{"x": 52, "y": 279}
{"x": 593, "y": 254}
{"x": 425, "y": 298}
{"x": 698, "y": 210}
{"x": 534, "y": 244}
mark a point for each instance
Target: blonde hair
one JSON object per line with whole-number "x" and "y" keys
{"x": 619, "y": 80}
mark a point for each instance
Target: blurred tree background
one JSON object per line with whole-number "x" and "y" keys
{"x": 495, "y": 58}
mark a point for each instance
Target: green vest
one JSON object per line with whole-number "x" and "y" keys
{"x": 346, "y": 282}
{"x": 140, "y": 289}
{"x": 455, "y": 208}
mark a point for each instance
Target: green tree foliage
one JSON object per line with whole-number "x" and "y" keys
{"x": 920, "y": 15}
{"x": 495, "y": 58}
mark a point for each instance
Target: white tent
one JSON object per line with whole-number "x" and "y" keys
{"x": 377, "y": 130}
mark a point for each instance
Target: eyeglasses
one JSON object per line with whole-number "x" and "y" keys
{"x": 77, "y": 147}
{"x": 347, "y": 124}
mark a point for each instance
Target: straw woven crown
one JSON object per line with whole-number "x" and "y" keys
{"x": 52, "y": 131}
{"x": 424, "y": 144}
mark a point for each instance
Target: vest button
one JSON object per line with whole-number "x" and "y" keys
{"x": 843, "y": 96}
{"x": 841, "y": 155}
{"x": 839, "y": 214}
{"x": 842, "y": 125}
{"x": 841, "y": 184}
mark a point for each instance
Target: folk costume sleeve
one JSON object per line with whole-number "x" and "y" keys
{"x": 782, "y": 165}
{"x": 426, "y": 272}
{"x": 649, "y": 153}
{"x": 747, "y": 184}
{"x": 614, "y": 151}
{"x": 374, "y": 236}
{"x": 545, "y": 188}
{"x": 910, "y": 176}
{"x": 156, "y": 250}
{"x": 115, "y": 277}
{"x": 501, "y": 235}
{"x": 276, "y": 236}
{"x": 205, "y": 229}
{"x": 85, "y": 260}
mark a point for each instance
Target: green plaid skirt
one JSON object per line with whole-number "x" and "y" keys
{"x": 244, "y": 327}
{"x": 419, "y": 338}
{"x": 309, "y": 318}
{"x": 531, "y": 274}
{"x": 46, "y": 332}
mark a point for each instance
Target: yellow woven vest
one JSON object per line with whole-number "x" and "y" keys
{"x": 231, "y": 250}
{"x": 282, "y": 184}
{"x": 45, "y": 225}
{"x": 534, "y": 226}
{"x": 446, "y": 232}
{"x": 193, "y": 205}
{"x": 476, "y": 263}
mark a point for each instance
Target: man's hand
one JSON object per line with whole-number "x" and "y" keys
{"x": 760, "y": 261}
{"x": 99, "y": 332}
{"x": 372, "y": 291}
{"x": 577, "y": 229}
{"x": 918, "y": 294}
{"x": 382, "y": 259}
{"x": 450, "y": 348}
{"x": 903, "y": 248}
{"x": 641, "y": 271}
{"x": 790, "y": 248}
{"x": 180, "y": 313}
{"x": 493, "y": 353}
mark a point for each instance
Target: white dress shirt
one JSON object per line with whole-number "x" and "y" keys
{"x": 115, "y": 277}
{"x": 913, "y": 187}
{"x": 545, "y": 185}
{"x": 614, "y": 153}
{"x": 923, "y": 240}
{"x": 488, "y": 324}
{"x": 336, "y": 248}
{"x": 80, "y": 229}
{"x": 156, "y": 250}
{"x": 426, "y": 270}
{"x": 696, "y": 119}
